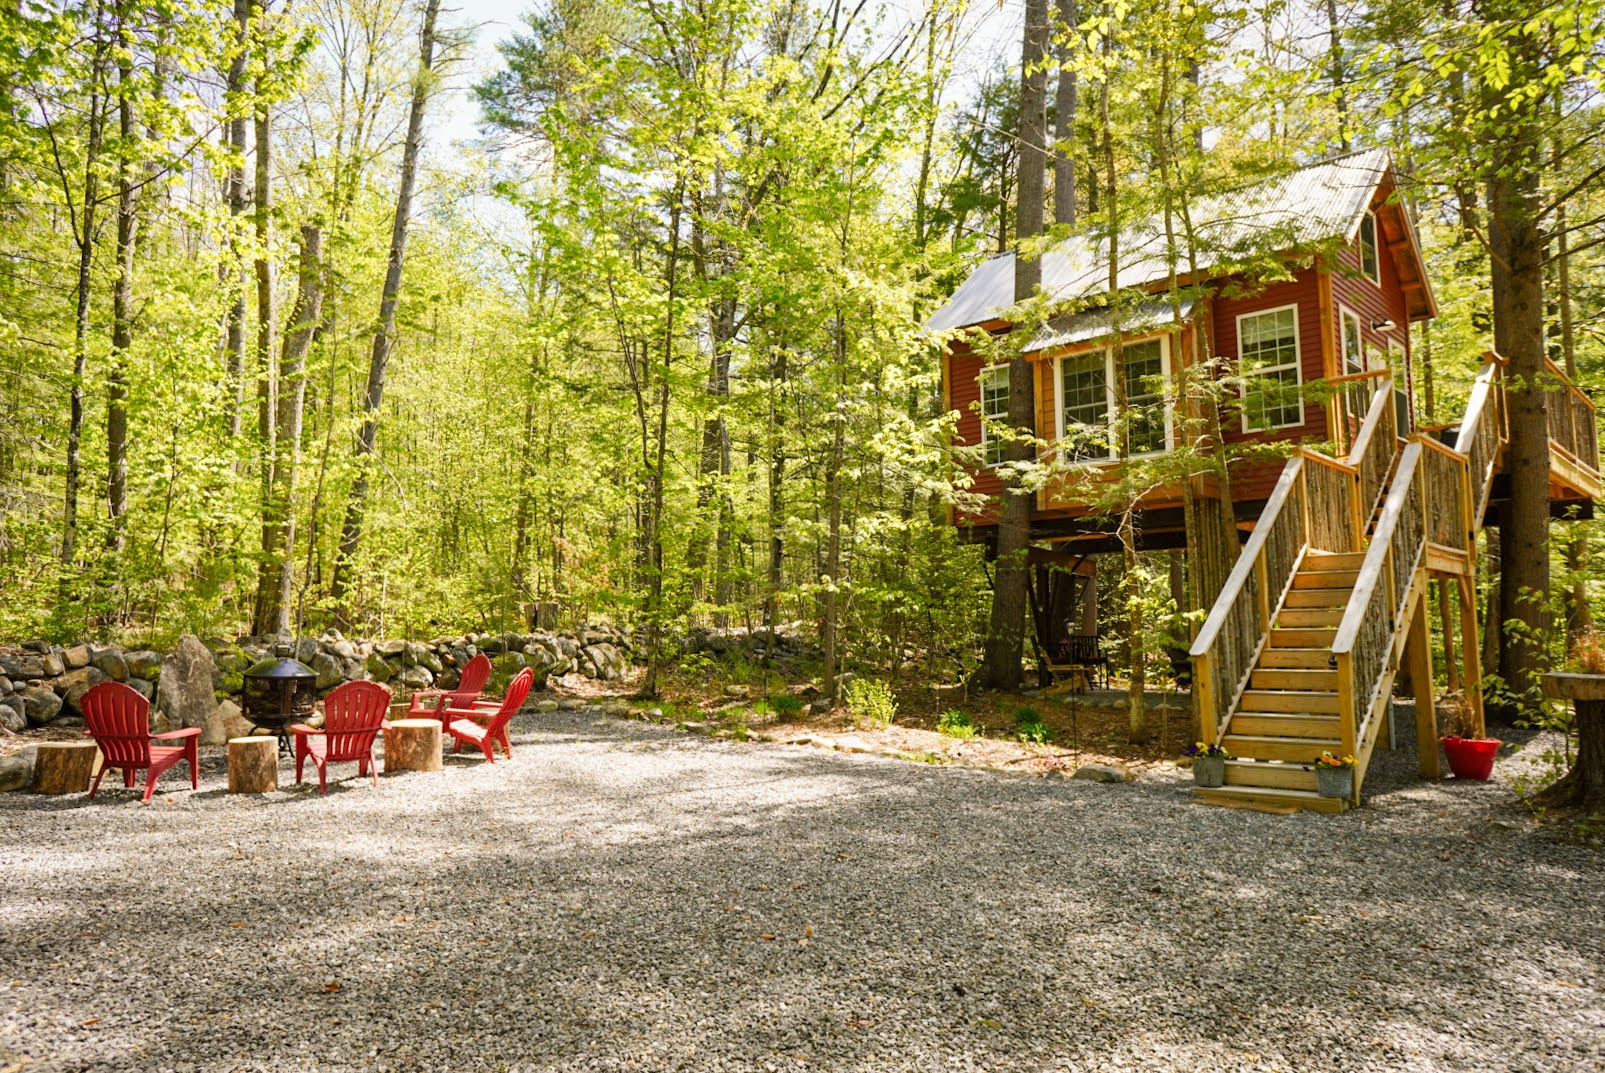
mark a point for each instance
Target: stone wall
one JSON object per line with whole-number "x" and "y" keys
{"x": 196, "y": 684}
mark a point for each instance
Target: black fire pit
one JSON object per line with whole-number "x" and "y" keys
{"x": 277, "y": 693}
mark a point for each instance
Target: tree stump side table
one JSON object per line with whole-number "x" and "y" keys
{"x": 253, "y": 764}
{"x": 413, "y": 745}
{"x": 65, "y": 767}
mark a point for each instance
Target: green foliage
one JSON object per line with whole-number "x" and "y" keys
{"x": 871, "y": 702}
{"x": 786, "y": 705}
{"x": 956, "y": 724}
{"x": 1033, "y": 731}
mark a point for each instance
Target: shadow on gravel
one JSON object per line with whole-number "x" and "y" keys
{"x": 625, "y": 897}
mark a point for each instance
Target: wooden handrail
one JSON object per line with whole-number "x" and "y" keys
{"x": 1432, "y": 444}
{"x": 1369, "y": 374}
{"x": 1376, "y": 556}
{"x": 1317, "y": 457}
{"x": 1570, "y": 384}
{"x": 1481, "y": 389}
{"x": 1237, "y": 580}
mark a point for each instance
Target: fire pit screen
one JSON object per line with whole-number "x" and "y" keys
{"x": 279, "y": 692}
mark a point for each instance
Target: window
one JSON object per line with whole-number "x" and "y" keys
{"x": 1084, "y": 387}
{"x": 994, "y": 407}
{"x": 1268, "y": 351}
{"x": 1368, "y": 249}
{"x": 1087, "y": 402}
{"x": 1357, "y": 394}
{"x": 1145, "y": 397}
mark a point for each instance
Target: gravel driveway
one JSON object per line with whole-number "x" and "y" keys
{"x": 626, "y": 897}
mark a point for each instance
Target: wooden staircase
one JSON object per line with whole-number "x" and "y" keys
{"x": 1289, "y": 714}
{"x": 1327, "y": 602}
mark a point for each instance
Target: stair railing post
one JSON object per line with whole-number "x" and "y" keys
{"x": 1262, "y": 583}
{"x": 1347, "y": 720}
{"x": 1204, "y": 687}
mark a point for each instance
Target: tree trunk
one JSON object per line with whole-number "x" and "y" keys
{"x": 829, "y": 627}
{"x": 1005, "y": 631}
{"x": 85, "y": 237}
{"x": 268, "y": 611}
{"x": 1064, "y": 107}
{"x": 276, "y": 581}
{"x": 244, "y": 12}
{"x": 384, "y": 336}
{"x": 1339, "y": 80}
{"x": 1583, "y": 787}
{"x": 122, "y": 331}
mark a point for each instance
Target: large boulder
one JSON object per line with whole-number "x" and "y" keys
{"x": 5, "y": 686}
{"x": 16, "y": 771}
{"x": 74, "y": 684}
{"x": 234, "y": 724}
{"x": 306, "y": 650}
{"x": 390, "y": 648}
{"x": 52, "y": 663}
{"x": 184, "y": 690}
{"x": 143, "y": 664}
{"x": 379, "y": 669}
{"x": 76, "y": 657}
{"x": 40, "y": 705}
{"x": 12, "y": 713}
{"x": 110, "y": 662}
{"x": 330, "y": 671}
{"x": 344, "y": 649}
{"x": 422, "y": 656}
{"x": 144, "y": 687}
{"x": 23, "y": 668}
{"x": 416, "y": 677}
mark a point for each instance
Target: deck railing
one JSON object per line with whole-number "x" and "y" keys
{"x": 1482, "y": 435}
{"x": 1375, "y": 446}
{"x": 1231, "y": 638}
{"x": 1353, "y": 396}
{"x": 1571, "y": 420}
{"x": 1318, "y": 503}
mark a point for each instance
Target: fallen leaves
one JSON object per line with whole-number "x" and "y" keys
{"x": 332, "y": 986}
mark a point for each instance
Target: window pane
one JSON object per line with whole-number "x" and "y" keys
{"x": 1269, "y": 340}
{"x": 1368, "y": 246}
{"x": 1084, "y": 387}
{"x": 1271, "y": 400}
{"x": 1145, "y": 397}
{"x": 994, "y": 407}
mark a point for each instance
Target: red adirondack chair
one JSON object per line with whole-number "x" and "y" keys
{"x": 465, "y": 696}
{"x": 118, "y": 718}
{"x": 461, "y": 726}
{"x": 353, "y": 715}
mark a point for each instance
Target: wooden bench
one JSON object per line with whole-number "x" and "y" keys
{"x": 1078, "y": 657}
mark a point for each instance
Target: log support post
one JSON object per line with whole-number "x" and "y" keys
{"x": 1418, "y": 655}
{"x": 65, "y": 767}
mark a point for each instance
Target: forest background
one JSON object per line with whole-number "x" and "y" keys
{"x": 282, "y": 346}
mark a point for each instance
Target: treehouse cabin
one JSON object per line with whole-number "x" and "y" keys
{"x": 1305, "y": 296}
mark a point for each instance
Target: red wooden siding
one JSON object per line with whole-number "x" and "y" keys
{"x": 1353, "y": 289}
{"x": 1255, "y": 480}
{"x": 964, "y": 395}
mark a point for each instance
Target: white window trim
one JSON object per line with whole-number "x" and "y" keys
{"x": 1345, "y": 314}
{"x": 986, "y": 373}
{"x": 1298, "y": 368}
{"x": 1109, "y": 398}
{"x": 1376, "y": 247}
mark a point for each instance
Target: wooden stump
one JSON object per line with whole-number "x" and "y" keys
{"x": 413, "y": 745}
{"x": 253, "y": 765}
{"x": 64, "y": 767}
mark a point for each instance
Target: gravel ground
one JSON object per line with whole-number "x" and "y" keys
{"x": 625, "y": 897}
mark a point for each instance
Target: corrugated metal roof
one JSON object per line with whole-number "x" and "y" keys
{"x": 1314, "y": 203}
{"x": 1093, "y": 324}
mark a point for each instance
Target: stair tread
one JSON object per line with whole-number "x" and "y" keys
{"x": 1277, "y": 739}
{"x": 1274, "y": 795}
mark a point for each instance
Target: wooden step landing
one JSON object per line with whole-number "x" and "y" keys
{"x": 1325, "y": 579}
{"x": 1269, "y": 775}
{"x": 1318, "y": 679}
{"x": 1305, "y": 617}
{"x": 1332, "y": 560}
{"x": 1269, "y": 747}
{"x": 1289, "y": 701}
{"x": 1269, "y": 799}
{"x": 1285, "y": 637}
{"x": 1318, "y": 598}
{"x": 1311, "y": 659}
{"x": 1319, "y": 727}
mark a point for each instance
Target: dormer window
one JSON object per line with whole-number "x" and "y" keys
{"x": 1368, "y": 249}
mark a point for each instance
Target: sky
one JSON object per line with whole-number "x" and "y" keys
{"x": 994, "y": 32}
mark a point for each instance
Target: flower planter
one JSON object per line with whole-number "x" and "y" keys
{"x": 1334, "y": 781}
{"x": 1209, "y": 771}
{"x": 1471, "y": 758}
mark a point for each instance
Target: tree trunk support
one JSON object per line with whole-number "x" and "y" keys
{"x": 64, "y": 767}
{"x": 253, "y": 764}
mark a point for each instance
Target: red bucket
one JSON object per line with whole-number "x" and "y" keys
{"x": 1471, "y": 758}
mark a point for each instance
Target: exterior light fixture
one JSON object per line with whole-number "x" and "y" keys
{"x": 1383, "y": 325}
